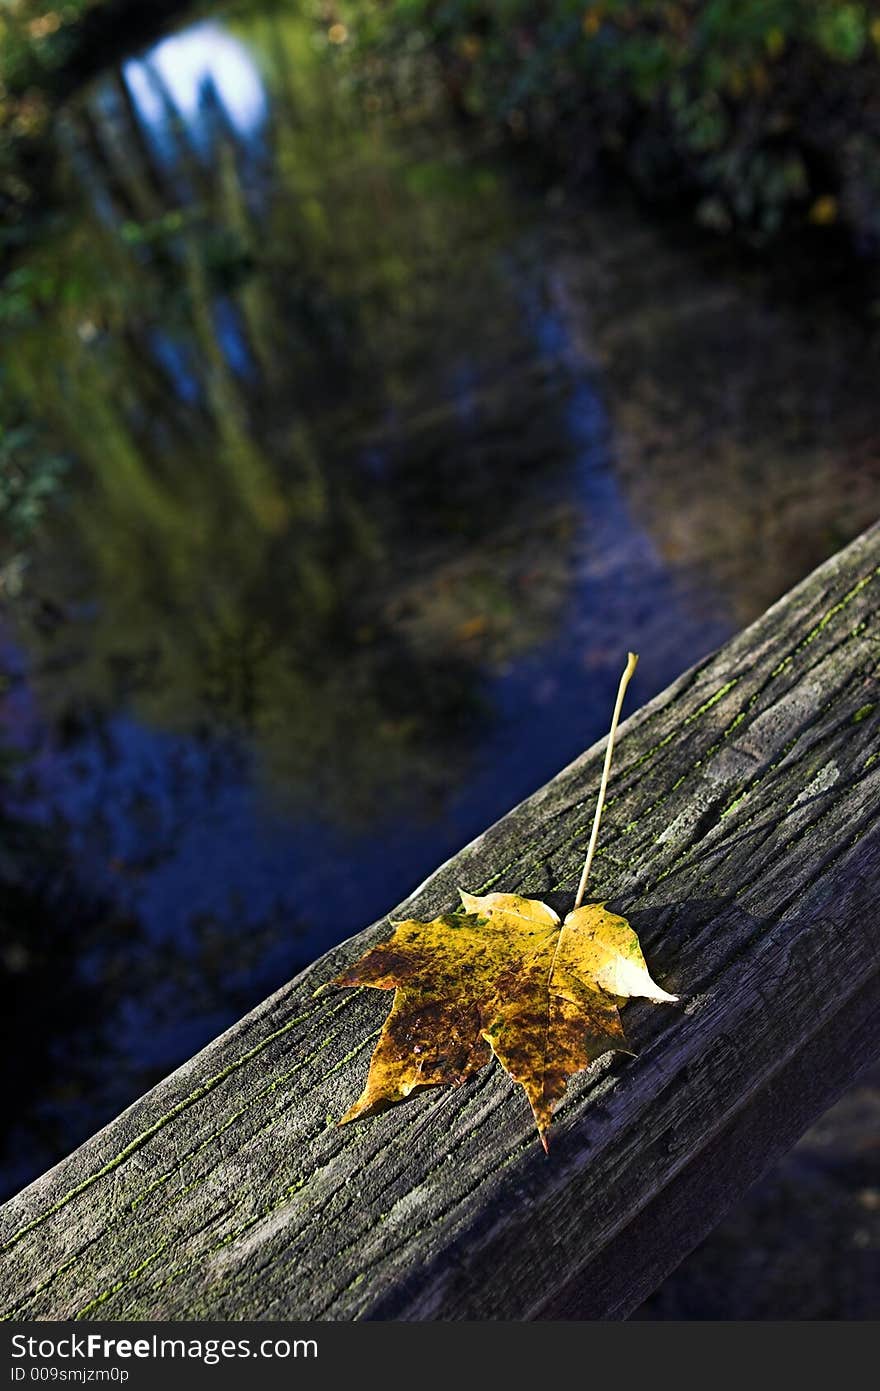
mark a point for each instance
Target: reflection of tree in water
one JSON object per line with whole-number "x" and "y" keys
{"x": 300, "y": 488}
{"x": 298, "y": 404}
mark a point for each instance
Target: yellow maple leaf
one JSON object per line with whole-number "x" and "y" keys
{"x": 508, "y": 978}
{"x": 504, "y": 976}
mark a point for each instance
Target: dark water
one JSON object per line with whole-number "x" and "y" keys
{"x": 375, "y": 463}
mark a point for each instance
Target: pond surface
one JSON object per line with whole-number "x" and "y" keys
{"x": 374, "y": 461}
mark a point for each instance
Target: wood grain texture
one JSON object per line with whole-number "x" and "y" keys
{"x": 741, "y": 838}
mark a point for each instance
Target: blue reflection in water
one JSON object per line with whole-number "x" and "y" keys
{"x": 176, "y": 359}
{"x": 229, "y": 333}
{"x": 176, "y": 76}
{"x": 555, "y": 701}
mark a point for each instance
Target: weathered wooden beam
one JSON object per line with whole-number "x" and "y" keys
{"x": 741, "y": 838}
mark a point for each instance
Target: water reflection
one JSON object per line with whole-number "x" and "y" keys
{"x": 186, "y": 74}
{"x": 352, "y": 538}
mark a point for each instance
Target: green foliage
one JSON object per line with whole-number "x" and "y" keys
{"x": 37, "y": 37}
{"x": 756, "y": 104}
{"x": 28, "y": 479}
{"x": 30, "y": 476}
{"x": 842, "y": 30}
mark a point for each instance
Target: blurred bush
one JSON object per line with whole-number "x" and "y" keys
{"x": 762, "y": 113}
{"x": 30, "y": 475}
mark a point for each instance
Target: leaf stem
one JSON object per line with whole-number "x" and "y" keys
{"x": 631, "y": 663}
